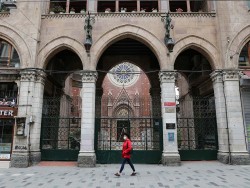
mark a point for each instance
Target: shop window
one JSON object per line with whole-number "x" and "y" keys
{"x": 244, "y": 58}
{"x": 106, "y": 6}
{"x": 178, "y": 6}
{"x": 8, "y": 94}
{"x": 128, "y": 6}
{"x": 149, "y": 6}
{"x": 58, "y": 6}
{"x": 8, "y": 55}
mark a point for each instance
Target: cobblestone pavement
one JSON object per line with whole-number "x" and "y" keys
{"x": 189, "y": 174}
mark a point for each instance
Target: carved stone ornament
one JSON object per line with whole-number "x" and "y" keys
{"x": 167, "y": 76}
{"x": 89, "y": 76}
{"x": 216, "y": 76}
{"x": 231, "y": 75}
{"x": 28, "y": 75}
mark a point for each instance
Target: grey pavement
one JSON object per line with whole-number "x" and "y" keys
{"x": 189, "y": 174}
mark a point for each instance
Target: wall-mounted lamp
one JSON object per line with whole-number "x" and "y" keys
{"x": 88, "y": 27}
{"x": 169, "y": 42}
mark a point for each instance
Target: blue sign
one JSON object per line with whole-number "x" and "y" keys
{"x": 171, "y": 137}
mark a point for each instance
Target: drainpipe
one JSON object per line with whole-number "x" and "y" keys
{"x": 228, "y": 137}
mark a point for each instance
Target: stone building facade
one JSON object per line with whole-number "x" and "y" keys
{"x": 41, "y": 50}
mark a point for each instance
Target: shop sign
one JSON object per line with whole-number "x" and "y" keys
{"x": 8, "y": 112}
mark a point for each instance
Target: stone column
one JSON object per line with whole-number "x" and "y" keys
{"x": 238, "y": 145}
{"x": 221, "y": 117}
{"x": 36, "y": 117}
{"x": 87, "y": 157}
{"x": 170, "y": 155}
{"x": 164, "y": 6}
{"x": 26, "y": 148}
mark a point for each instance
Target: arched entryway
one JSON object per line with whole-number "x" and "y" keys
{"x": 196, "y": 116}
{"x": 128, "y": 100}
{"x": 61, "y": 115}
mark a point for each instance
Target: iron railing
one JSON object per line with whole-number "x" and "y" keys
{"x": 145, "y": 133}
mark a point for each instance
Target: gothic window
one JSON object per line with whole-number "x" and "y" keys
{"x": 124, "y": 74}
{"x": 244, "y": 58}
{"x": 8, "y": 55}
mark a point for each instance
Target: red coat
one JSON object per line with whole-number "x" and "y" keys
{"x": 126, "y": 148}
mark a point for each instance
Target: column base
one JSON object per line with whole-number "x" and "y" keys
{"x": 171, "y": 159}
{"x": 240, "y": 159}
{"x": 86, "y": 159}
{"x": 19, "y": 160}
{"x": 234, "y": 158}
{"x": 223, "y": 157}
{"x": 35, "y": 157}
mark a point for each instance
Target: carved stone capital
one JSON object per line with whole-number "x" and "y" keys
{"x": 167, "y": 76}
{"x": 40, "y": 76}
{"x": 231, "y": 75}
{"x": 216, "y": 76}
{"x": 89, "y": 76}
{"x": 28, "y": 75}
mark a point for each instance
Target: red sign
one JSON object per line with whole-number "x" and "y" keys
{"x": 8, "y": 112}
{"x": 169, "y": 104}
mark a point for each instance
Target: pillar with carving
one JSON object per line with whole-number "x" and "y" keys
{"x": 221, "y": 117}
{"x": 170, "y": 155}
{"x": 87, "y": 157}
{"x": 237, "y": 135}
{"x": 26, "y": 147}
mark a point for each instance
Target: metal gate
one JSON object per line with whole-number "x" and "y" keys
{"x": 60, "y": 134}
{"x": 145, "y": 134}
{"x": 145, "y": 131}
{"x": 197, "y": 130}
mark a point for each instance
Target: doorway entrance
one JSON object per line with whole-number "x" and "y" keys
{"x": 128, "y": 101}
{"x": 61, "y": 115}
{"x": 196, "y": 116}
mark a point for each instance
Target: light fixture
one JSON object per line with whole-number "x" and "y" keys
{"x": 169, "y": 42}
{"x": 88, "y": 27}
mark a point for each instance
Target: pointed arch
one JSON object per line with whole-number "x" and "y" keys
{"x": 199, "y": 44}
{"x": 57, "y": 45}
{"x": 129, "y": 31}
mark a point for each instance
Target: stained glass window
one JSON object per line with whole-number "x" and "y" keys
{"x": 124, "y": 74}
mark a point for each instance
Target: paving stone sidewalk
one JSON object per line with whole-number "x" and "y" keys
{"x": 189, "y": 174}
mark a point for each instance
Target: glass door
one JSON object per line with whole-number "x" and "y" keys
{"x": 6, "y": 137}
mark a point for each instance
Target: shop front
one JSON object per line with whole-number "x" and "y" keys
{"x": 7, "y": 123}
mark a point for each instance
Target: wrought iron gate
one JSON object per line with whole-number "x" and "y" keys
{"x": 60, "y": 134}
{"x": 127, "y": 116}
{"x": 145, "y": 134}
{"x": 197, "y": 130}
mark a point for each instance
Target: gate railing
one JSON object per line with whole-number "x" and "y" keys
{"x": 145, "y": 133}
{"x": 60, "y": 133}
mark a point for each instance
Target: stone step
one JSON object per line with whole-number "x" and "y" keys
{"x": 4, "y": 164}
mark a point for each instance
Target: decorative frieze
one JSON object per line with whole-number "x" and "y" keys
{"x": 232, "y": 75}
{"x": 40, "y": 76}
{"x": 129, "y": 14}
{"x": 167, "y": 76}
{"x": 89, "y": 76}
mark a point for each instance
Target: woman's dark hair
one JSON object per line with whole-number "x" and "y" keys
{"x": 126, "y": 134}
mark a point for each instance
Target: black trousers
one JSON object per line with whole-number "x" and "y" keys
{"x": 124, "y": 162}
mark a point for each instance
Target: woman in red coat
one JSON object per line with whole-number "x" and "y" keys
{"x": 126, "y": 154}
